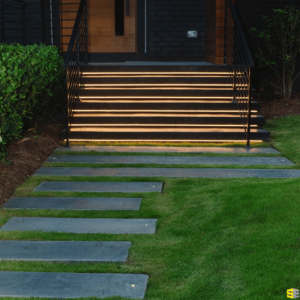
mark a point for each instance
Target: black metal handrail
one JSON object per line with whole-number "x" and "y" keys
{"x": 239, "y": 58}
{"x": 75, "y": 59}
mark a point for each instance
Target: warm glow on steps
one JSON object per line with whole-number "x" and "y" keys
{"x": 155, "y": 85}
{"x": 105, "y": 96}
{"x": 156, "y": 97}
{"x": 166, "y": 141}
{"x": 180, "y": 129}
{"x": 157, "y": 125}
{"x": 162, "y": 112}
{"x": 157, "y": 88}
{"x": 156, "y": 73}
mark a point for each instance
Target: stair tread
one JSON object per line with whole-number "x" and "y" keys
{"x": 135, "y": 129}
{"x": 192, "y": 101}
{"x": 159, "y": 114}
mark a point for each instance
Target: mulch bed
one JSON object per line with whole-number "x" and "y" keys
{"x": 273, "y": 108}
{"x": 26, "y": 156}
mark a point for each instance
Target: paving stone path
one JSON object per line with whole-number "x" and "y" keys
{"x": 73, "y": 285}
{"x": 154, "y": 149}
{"x": 73, "y": 203}
{"x": 167, "y": 172}
{"x": 100, "y": 187}
{"x": 172, "y": 160}
{"x": 64, "y": 251}
{"x": 81, "y": 225}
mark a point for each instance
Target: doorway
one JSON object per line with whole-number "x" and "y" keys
{"x": 112, "y": 26}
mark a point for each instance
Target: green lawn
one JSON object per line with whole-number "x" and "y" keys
{"x": 216, "y": 238}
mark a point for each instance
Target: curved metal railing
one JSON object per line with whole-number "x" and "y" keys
{"x": 239, "y": 58}
{"x": 75, "y": 59}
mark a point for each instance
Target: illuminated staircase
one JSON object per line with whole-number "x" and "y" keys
{"x": 160, "y": 103}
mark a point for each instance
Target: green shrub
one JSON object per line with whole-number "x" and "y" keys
{"x": 279, "y": 50}
{"x": 31, "y": 88}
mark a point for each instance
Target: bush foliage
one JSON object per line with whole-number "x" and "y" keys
{"x": 31, "y": 88}
{"x": 279, "y": 49}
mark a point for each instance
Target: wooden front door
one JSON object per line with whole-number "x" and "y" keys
{"x": 110, "y": 28}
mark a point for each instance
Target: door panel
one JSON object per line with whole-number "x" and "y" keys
{"x": 101, "y": 28}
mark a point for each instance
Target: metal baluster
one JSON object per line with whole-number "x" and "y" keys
{"x": 68, "y": 105}
{"x": 249, "y": 108}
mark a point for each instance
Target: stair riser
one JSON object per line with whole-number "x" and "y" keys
{"x": 156, "y": 93}
{"x": 165, "y": 136}
{"x": 157, "y": 80}
{"x": 165, "y": 120}
{"x": 157, "y": 69}
{"x": 162, "y": 106}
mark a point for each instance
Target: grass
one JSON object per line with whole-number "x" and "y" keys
{"x": 285, "y": 134}
{"x": 216, "y": 238}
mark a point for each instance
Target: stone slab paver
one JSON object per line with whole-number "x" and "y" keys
{"x": 72, "y": 285}
{"x": 161, "y": 160}
{"x": 73, "y": 203}
{"x": 149, "y": 149}
{"x": 81, "y": 225}
{"x": 170, "y": 172}
{"x": 100, "y": 187}
{"x": 64, "y": 251}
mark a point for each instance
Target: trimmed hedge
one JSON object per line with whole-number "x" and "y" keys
{"x": 31, "y": 88}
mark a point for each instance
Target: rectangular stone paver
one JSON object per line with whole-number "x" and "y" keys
{"x": 81, "y": 225}
{"x": 187, "y": 160}
{"x": 73, "y": 203}
{"x": 72, "y": 285}
{"x": 149, "y": 149}
{"x": 101, "y": 187}
{"x": 170, "y": 172}
{"x": 64, "y": 251}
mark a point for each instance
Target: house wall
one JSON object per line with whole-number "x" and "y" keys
{"x": 214, "y": 37}
{"x": 29, "y": 23}
{"x": 168, "y": 23}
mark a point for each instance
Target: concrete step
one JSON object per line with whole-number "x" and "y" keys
{"x": 162, "y": 106}
{"x": 169, "y": 149}
{"x": 64, "y": 252}
{"x": 100, "y": 187}
{"x": 155, "y": 118}
{"x": 142, "y": 68}
{"x": 145, "y": 93}
{"x": 81, "y": 225}
{"x": 169, "y": 172}
{"x": 73, "y": 203}
{"x": 172, "y": 160}
{"x": 121, "y": 81}
{"x": 72, "y": 285}
{"x": 89, "y": 133}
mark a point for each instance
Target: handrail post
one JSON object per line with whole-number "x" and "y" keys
{"x": 74, "y": 58}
